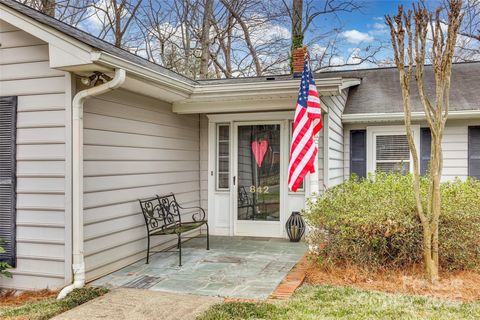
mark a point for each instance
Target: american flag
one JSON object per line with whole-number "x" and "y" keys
{"x": 307, "y": 123}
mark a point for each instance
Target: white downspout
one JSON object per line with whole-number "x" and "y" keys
{"x": 78, "y": 264}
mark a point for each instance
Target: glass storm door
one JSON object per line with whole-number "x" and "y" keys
{"x": 258, "y": 174}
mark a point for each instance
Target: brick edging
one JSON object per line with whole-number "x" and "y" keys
{"x": 291, "y": 282}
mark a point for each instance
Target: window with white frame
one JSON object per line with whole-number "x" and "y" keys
{"x": 223, "y": 156}
{"x": 388, "y": 149}
{"x": 392, "y": 153}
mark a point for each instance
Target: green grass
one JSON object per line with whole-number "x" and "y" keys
{"x": 326, "y": 302}
{"x": 47, "y": 308}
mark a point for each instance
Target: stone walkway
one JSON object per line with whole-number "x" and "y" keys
{"x": 139, "y": 304}
{"x": 235, "y": 267}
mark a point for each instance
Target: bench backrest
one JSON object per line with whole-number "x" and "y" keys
{"x": 160, "y": 212}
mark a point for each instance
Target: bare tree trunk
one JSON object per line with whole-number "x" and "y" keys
{"x": 205, "y": 40}
{"x": 436, "y": 112}
{"x": 246, "y": 33}
{"x": 297, "y": 30}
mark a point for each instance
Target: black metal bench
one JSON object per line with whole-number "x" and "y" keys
{"x": 163, "y": 216}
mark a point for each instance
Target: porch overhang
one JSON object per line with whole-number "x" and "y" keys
{"x": 254, "y": 96}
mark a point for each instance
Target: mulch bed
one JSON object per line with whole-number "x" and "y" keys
{"x": 13, "y": 297}
{"x": 461, "y": 285}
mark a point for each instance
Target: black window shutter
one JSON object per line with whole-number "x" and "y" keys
{"x": 474, "y": 152}
{"x": 8, "y": 117}
{"x": 425, "y": 149}
{"x": 358, "y": 152}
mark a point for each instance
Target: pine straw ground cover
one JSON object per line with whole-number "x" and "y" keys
{"x": 453, "y": 285}
{"x": 43, "y": 304}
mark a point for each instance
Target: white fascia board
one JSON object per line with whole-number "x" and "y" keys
{"x": 183, "y": 88}
{"x": 350, "y": 82}
{"x": 397, "y": 116}
{"x": 252, "y": 96}
{"x": 279, "y": 85}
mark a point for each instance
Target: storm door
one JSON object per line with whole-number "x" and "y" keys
{"x": 258, "y": 179}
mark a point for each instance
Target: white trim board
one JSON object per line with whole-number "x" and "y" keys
{"x": 399, "y": 116}
{"x": 373, "y": 131}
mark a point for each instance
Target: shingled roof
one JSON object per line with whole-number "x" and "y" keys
{"x": 380, "y": 91}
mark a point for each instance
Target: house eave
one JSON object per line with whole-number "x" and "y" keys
{"x": 399, "y": 116}
{"x": 254, "y": 96}
{"x": 175, "y": 88}
{"x": 71, "y": 55}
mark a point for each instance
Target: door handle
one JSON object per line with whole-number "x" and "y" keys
{"x": 234, "y": 180}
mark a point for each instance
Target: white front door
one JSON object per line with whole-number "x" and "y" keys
{"x": 258, "y": 179}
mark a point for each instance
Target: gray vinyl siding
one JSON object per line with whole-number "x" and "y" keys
{"x": 134, "y": 147}
{"x": 43, "y": 191}
{"x": 455, "y": 147}
{"x": 335, "y": 142}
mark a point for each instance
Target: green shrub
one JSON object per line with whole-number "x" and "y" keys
{"x": 3, "y": 265}
{"x": 373, "y": 223}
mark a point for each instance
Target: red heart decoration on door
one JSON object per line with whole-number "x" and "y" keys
{"x": 259, "y": 149}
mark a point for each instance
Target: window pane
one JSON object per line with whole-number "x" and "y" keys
{"x": 223, "y": 156}
{"x": 392, "y": 147}
{"x": 223, "y": 132}
{"x": 223, "y": 148}
{"x": 391, "y": 167}
{"x": 223, "y": 180}
{"x": 223, "y": 164}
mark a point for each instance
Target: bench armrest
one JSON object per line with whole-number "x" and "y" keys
{"x": 197, "y": 216}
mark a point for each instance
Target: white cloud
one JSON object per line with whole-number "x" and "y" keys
{"x": 263, "y": 31}
{"x": 378, "y": 29}
{"x": 355, "y": 36}
{"x": 317, "y": 50}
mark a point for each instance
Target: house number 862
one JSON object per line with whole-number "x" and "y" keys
{"x": 259, "y": 189}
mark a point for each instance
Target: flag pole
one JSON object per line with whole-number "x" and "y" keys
{"x": 314, "y": 185}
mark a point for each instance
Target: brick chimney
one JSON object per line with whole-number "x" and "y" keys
{"x": 298, "y": 59}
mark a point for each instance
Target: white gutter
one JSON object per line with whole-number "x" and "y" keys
{"x": 182, "y": 87}
{"x": 78, "y": 264}
{"x": 399, "y": 116}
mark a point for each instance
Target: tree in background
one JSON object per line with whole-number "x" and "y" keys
{"x": 44, "y": 6}
{"x": 326, "y": 42}
{"x": 205, "y": 38}
{"x": 468, "y": 46}
{"x": 213, "y": 38}
{"x": 410, "y": 48}
{"x": 115, "y": 17}
{"x": 245, "y": 37}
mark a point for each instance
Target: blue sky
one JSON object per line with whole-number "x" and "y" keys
{"x": 363, "y": 27}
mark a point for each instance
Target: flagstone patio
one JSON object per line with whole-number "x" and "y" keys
{"x": 237, "y": 267}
